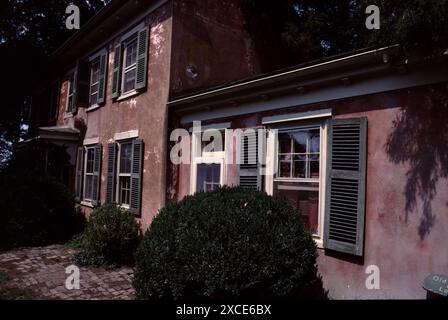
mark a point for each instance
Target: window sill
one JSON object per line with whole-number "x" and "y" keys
{"x": 127, "y": 95}
{"x": 93, "y": 107}
{"x": 86, "y": 204}
{"x": 319, "y": 243}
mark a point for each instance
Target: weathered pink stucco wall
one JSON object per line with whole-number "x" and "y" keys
{"x": 145, "y": 112}
{"x": 407, "y": 240}
{"x": 406, "y": 245}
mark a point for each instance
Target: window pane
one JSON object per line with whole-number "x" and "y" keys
{"x": 129, "y": 80}
{"x": 284, "y": 143}
{"x": 299, "y": 166}
{"x": 208, "y": 176}
{"x": 94, "y": 88}
{"x": 70, "y": 103}
{"x": 95, "y": 70}
{"x": 88, "y": 186}
{"x": 299, "y": 139}
{"x": 210, "y": 145}
{"x": 314, "y": 169}
{"x": 131, "y": 53}
{"x": 124, "y": 190}
{"x": 125, "y": 158}
{"x": 306, "y": 201}
{"x": 284, "y": 166}
{"x": 94, "y": 98}
{"x": 70, "y": 85}
{"x": 314, "y": 136}
{"x": 90, "y": 160}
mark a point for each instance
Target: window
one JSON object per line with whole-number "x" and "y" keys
{"x": 124, "y": 173}
{"x": 299, "y": 172}
{"x": 208, "y": 176}
{"x": 208, "y": 160}
{"x": 94, "y": 81}
{"x": 129, "y": 65}
{"x": 70, "y": 93}
{"x": 88, "y": 173}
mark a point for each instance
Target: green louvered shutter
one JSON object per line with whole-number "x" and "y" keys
{"x": 102, "y": 78}
{"x": 79, "y": 174}
{"x": 142, "y": 59}
{"x": 249, "y": 165}
{"x": 96, "y": 175}
{"x": 81, "y": 93}
{"x": 111, "y": 167}
{"x": 345, "y": 185}
{"x": 116, "y": 72}
{"x": 136, "y": 177}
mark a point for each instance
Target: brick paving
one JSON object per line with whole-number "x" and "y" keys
{"x": 42, "y": 271}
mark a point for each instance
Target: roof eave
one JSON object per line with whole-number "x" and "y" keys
{"x": 285, "y": 79}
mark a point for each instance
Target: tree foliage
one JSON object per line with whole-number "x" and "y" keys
{"x": 29, "y": 31}
{"x": 295, "y": 31}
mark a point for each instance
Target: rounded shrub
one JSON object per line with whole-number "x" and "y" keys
{"x": 110, "y": 238}
{"x": 224, "y": 244}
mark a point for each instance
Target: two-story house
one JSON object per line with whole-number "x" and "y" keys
{"x": 356, "y": 142}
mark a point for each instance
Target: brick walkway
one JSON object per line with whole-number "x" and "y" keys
{"x": 42, "y": 270}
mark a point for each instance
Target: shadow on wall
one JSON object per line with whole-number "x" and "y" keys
{"x": 420, "y": 139}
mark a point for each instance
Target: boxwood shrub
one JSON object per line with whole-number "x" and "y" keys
{"x": 110, "y": 238}
{"x": 225, "y": 244}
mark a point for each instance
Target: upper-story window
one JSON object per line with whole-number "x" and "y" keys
{"x": 94, "y": 81}
{"x": 70, "y": 92}
{"x": 129, "y": 65}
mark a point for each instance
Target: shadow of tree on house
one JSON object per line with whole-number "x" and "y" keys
{"x": 420, "y": 139}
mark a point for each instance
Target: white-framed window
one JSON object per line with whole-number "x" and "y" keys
{"x": 300, "y": 173}
{"x": 208, "y": 165}
{"x": 70, "y": 92}
{"x": 129, "y": 64}
{"x": 89, "y": 162}
{"x": 94, "y": 81}
{"x": 123, "y": 192}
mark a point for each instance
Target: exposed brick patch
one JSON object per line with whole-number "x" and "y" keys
{"x": 42, "y": 270}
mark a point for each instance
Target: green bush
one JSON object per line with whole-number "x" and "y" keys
{"x": 229, "y": 243}
{"x": 110, "y": 238}
{"x": 36, "y": 211}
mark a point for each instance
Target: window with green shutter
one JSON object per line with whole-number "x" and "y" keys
{"x": 345, "y": 185}
{"x": 70, "y": 108}
{"x": 81, "y": 85}
{"x": 98, "y": 76}
{"x": 92, "y": 174}
{"x": 124, "y": 174}
{"x": 130, "y": 64}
